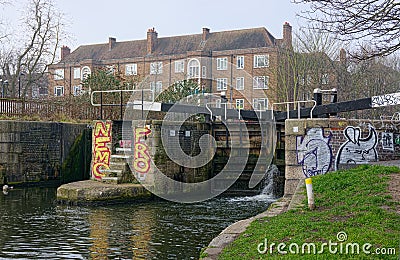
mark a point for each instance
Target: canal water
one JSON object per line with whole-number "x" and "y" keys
{"x": 33, "y": 226}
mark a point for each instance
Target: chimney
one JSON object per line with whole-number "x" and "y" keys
{"x": 342, "y": 56}
{"x": 287, "y": 34}
{"x": 65, "y": 51}
{"x": 111, "y": 43}
{"x": 151, "y": 40}
{"x": 206, "y": 33}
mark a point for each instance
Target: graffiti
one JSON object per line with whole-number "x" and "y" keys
{"x": 314, "y": 152}
{"x": 387, "y": 141}
{"x": 357, "y": 150}
{"x": 397, "y": 139}
{"x": 125, "y": 143}
{"x": 386, "y": 100}
{"x": 141, "y": 161}
{"x": 101, "y": 151}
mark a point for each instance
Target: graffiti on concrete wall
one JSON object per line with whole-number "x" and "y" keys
{"x": 387, "y": 141}
{"x": 357, "y": 150}
{"x": 141, "y": 160}
{"x": 101, "y": 148}
{"x": 386, "y": 100}
{"x": 314, "y": 152}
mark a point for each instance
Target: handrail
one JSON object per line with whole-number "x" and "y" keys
{"x": 116, "y": 91}
{"x": 298, "y": 107}
{"x": 225, "y": 109}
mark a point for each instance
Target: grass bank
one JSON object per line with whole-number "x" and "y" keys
{"x": 355, "y": 212}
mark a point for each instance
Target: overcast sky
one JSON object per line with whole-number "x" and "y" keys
{"x": 93, "y": 21}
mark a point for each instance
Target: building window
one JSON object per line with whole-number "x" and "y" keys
{"x": 194, "y": 68}
{"x": 77, "y": 90}
{"x": 77, "y": 73}
{"x": 156, "y": 87}
{"x": 218, "y": 103}
{"x": 222, "y": 63}
{"x": 85, "y": 72}
{"x": 204, "y": 72}
{"x": 260, "y": 103}
{"x": 260, "y": 82}
{"x": 261, "y": 61}
{"x": 58, "y": 74}
{"x": 156, "y": 68}
{"x": 179, "y": 66}
{"x": 59, "y": 91}
{"x": 35, "y": 91}
{"x": 240, "y": 62}
{"x": 222, "y": 84}
{"x": 239, "y": 103}
{"x": 325, "y": 79}
{"x": 240, "y": 83}
{"x": 131, "y": 69}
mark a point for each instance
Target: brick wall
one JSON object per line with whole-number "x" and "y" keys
{"x": 317, "y": 146}
{"x": 35, "y": 151}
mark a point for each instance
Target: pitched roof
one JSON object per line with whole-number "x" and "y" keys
{"x": 217, "y": 41}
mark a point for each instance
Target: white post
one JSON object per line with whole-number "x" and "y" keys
{"x": 310, "y": 194}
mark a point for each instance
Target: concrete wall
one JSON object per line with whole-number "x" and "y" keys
{"x": 35, "y": 151}
{"x": 317, "y": 146}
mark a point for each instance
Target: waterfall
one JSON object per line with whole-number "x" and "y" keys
{"x": 269, "y": 185}
{"x": 269, "y": 192}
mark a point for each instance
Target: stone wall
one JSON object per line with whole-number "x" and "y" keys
{"x": 317, "y": 146}
{"x": 35, "y": 151}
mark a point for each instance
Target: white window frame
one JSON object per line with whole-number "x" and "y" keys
{"x": 222, "y": 84}
{"x": 156, "y": 87}
{"x": 258, "y": 101}
{"x": 86, "y": 71}
{"x": 240, "y": 103}
{"x": 204, "y": 72}
{"x": 261, "y": 61}
{"x": 179, "y": 66}
{"x": 240, "y": 62}
{"x": 257, "y": 80}
{"x": 77, "y": 90}
{"x": 77, "y": 73}
{"x": 58, "y": 74}
{"x": 56, "y": 89}
{"x": 240, "y": 83}
{"x": 156, "y": 68}
{"x": 325, "y": 79}
{"x": 218, "y": 103}
{"x": 194, "y": 68}
{"x": 131, "y": 69}
{"x": 222, "y": 63}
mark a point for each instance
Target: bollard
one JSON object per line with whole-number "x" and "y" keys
{"x": 310, "y": 194}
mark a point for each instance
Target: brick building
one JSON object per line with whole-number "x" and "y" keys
{"x": 240, "y": 62}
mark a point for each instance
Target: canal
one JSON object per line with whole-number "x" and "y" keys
{"x": 33, "y": 226}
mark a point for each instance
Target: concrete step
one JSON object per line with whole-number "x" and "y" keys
{"x": 111, "y": 180}
{"x": 123, "y": 150}
{"x": 119, "y": 158}
{"x": 113, "y": 173}
{"x": 118, "y": 165}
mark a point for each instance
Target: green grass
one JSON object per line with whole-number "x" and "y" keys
{"x": 355, "y": 201}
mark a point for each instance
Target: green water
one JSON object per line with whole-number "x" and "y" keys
{"x": 33, "y": 226}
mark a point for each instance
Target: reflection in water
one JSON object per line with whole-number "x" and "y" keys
{"x": 99, "y": 228}
{"x": 32, "y": 226}
{"x": 141, "y": 236}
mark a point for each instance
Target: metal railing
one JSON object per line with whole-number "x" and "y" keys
{"x": 121, "y": 103}
{"x": 296, "y": 103}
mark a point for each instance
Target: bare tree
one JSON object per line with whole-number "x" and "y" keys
{"x": 24, "y": 60}
{"x": 312, "y": 63}
{"x": 375, "y": 21}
